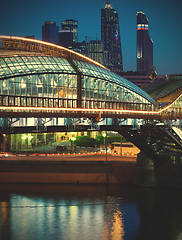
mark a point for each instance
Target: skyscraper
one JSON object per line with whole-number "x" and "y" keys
{"x": 96, "y": 51}
{"x": 50, "y": 32}
{"x": 110, "y": 36}
{"x": 65, "y": 38}
{"x": 144, "y": 45}
{"x": 68, "y": 33}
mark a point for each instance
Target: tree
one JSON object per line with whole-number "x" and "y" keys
{"x": 85, "y": 141}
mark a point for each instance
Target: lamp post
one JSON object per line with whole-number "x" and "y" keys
{"x": 73, "y": 145}
{"x": 105, "y": 142}
{"x": 121, "y": 153}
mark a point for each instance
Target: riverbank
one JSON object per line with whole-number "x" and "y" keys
{"x": 44, "y": 170}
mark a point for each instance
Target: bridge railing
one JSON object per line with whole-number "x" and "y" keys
{"x": 56, "y": 107}
{"x": 172, "y": 113}
{"x": 30, "y": 101}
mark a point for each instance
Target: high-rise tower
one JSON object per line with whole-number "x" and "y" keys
{"x": 50, "y": 32}
{"x": 96, "y": 51}
{"x": 144, "y": 45}
{"x": 69, "y": 31}
{"x": 110, "y": 36}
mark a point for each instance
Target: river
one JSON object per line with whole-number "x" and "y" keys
{"x": 89, "y": 212}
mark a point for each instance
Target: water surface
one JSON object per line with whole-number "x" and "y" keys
{"x": 89, "y": 212}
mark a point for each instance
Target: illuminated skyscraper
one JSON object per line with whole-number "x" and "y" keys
{"x": 144, "y": 45}
{"x": 96, "y": 51}
{"x": 50, "y": 32}
{"x": 110, "y": 36}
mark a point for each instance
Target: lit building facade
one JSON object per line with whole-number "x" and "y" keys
{"x": 93, "y": 49}
{"x": 68, "y": 33}
{"x": 96, "y": 51}
{"x": 144, "y": 45}
{"x": 110, "y": 36}
{"x": 80, "y": 47}
{"x": 50, "y": 32}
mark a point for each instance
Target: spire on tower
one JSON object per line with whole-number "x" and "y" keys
{"x": 107, "y": 4}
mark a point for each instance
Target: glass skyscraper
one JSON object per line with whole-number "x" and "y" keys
{"x": 110, "y": 36}
{"x": 144, "y": 45}
{"x": 50, "y": 32}
{"x": 96, "y": 51}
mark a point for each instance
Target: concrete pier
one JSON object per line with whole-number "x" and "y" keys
{"x": 144, "y": 175}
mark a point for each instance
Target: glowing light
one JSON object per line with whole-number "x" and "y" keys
{"x": 104, "y": 135}
{"x": 142, "y": 27}
{"x": 76, "y": 109}
{"x": 73, "y": 139}
{"x": 165, "y": 108}
{"x": 27, "y": 136}
{"x": 98, "y": 111}
{"x": 24, "y": 137}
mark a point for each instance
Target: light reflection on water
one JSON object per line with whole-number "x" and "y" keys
{"x": 67, "y": 220}
{"x": 44, "y": 212}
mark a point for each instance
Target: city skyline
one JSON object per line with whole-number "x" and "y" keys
{"x": 18, "y": 19}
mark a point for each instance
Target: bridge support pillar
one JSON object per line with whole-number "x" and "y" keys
{"x": 144, "y": 175}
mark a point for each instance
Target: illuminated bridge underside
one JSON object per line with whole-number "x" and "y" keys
{"x": 39, "y": 79}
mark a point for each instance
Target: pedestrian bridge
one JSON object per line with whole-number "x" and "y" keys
{"x": 45, "y": 87}
{"x": 39, "y": 79}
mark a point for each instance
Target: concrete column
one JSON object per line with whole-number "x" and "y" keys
{"x": 144, "y": 175}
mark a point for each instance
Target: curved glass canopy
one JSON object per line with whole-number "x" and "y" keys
{"x": 46, "y": 74}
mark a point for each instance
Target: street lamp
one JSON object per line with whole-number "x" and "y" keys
{"x": 105, "y": 142}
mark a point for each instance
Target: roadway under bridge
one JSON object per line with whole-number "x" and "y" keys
{"x": 158, "y": 142}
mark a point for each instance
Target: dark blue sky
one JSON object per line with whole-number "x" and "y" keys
{"x": 21, "y": 18}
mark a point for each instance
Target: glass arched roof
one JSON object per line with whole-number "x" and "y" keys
{"x": 44, "y": 57}
{"x": 24, "y": 65}
{"x": 92, "y": 70}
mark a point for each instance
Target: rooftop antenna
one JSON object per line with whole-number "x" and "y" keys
{"x": 107, "y": 3}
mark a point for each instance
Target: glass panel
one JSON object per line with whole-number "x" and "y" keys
{"x": 93, "y": 71}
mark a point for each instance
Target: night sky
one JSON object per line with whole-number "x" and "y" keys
{"x": 22, "y": 18}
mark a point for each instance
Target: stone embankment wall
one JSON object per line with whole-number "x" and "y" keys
{"x": 71, "y": 172}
